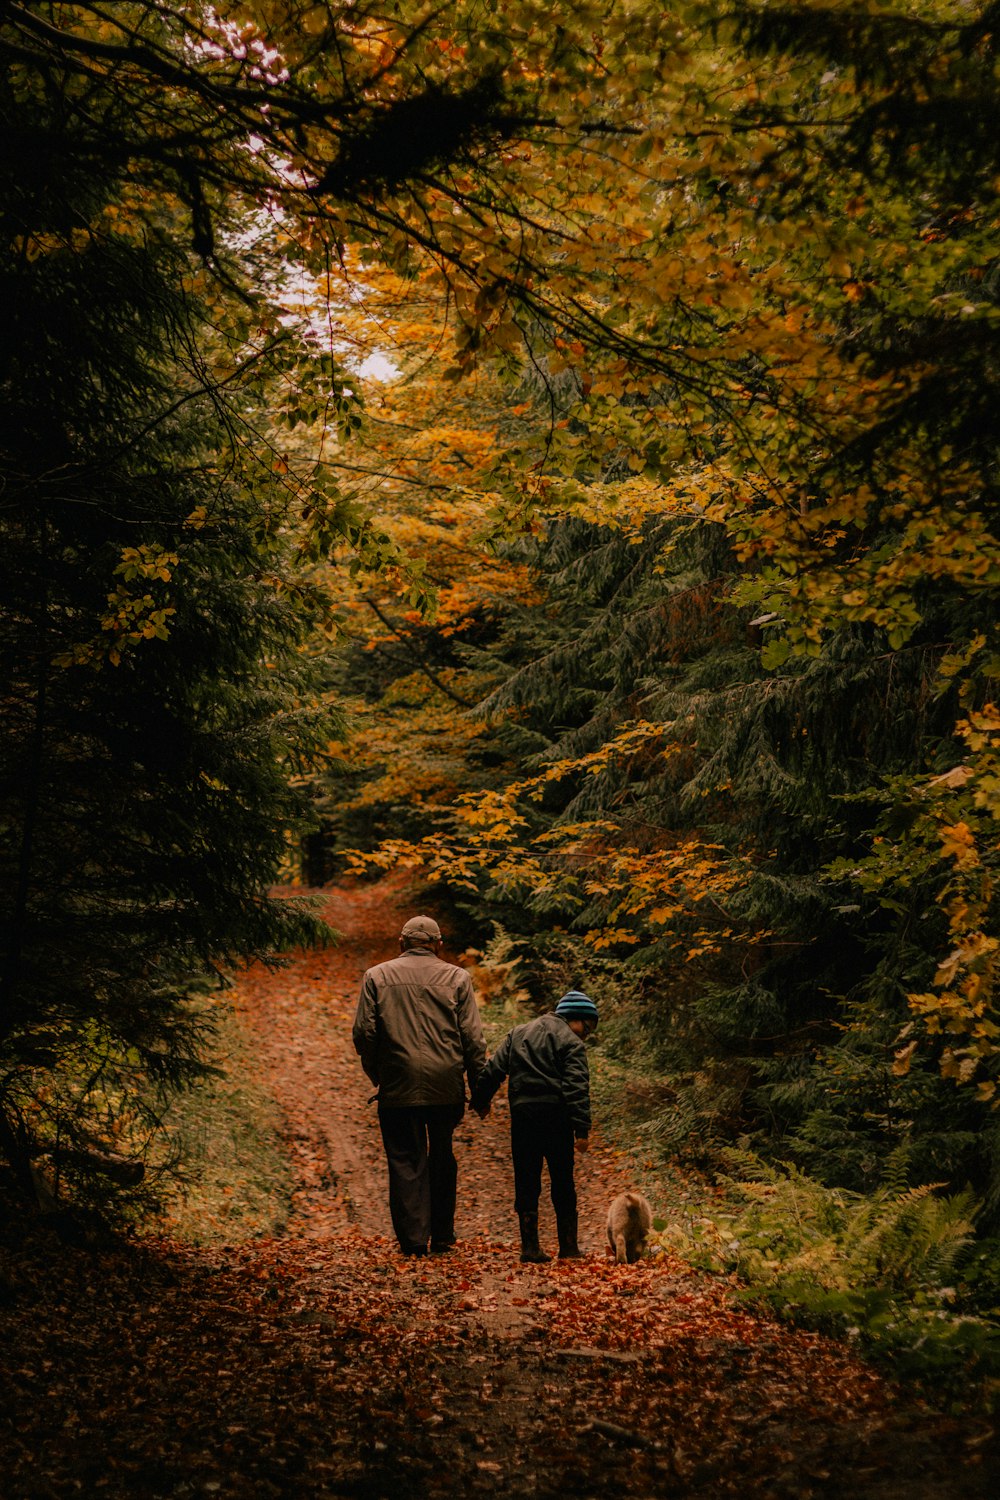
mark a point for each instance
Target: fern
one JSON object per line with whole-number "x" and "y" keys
{"x": 789, "y": 1227}
{"x": 890, "y": 1269}
{"x": 913, "y": 1239}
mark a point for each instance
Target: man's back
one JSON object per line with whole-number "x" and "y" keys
{"x": 418, "y": 1031}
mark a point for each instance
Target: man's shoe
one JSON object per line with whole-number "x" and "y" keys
{"x": 442, "y": 1247}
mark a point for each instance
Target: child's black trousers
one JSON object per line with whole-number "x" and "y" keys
{"x": 542, "y": 1133}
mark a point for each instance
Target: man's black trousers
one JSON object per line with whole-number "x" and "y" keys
{"x": 423, "y": 1173}
{"x": 542, "y": 1133}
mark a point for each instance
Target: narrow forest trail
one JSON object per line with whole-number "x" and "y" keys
{"x": 302, "y": 1017}
{"x": 321, "y": 1363}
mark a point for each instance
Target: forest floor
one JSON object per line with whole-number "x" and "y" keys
{"x": 318, "y": 1361}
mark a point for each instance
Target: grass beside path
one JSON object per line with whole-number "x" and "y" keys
{"x": 238, "y": 1178}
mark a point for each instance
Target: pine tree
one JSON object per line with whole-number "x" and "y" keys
{"x": 157, "y": 695}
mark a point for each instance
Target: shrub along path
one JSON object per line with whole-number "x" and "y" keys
{"x": 321, "y": 1363}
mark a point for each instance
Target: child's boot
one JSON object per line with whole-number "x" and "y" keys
{"x": 566, "y": 1224}
{"x": 531, "y": 1250}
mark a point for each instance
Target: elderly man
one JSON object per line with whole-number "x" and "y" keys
{"x": 418, "y": 1034}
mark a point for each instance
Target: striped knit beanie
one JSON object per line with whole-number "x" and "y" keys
{"x": 576, "y": 1006}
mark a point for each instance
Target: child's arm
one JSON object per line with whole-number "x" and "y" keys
{"x": 576, "y": 1092}
{"x": 491, "y": 1077}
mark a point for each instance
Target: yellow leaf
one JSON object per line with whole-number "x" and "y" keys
{"x": 958, "y": 842}
{"x": 953, "y": 779}
{"x": 903, "y": 1059}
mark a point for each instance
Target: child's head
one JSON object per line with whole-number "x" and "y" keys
{"x": 578, "y": 1011}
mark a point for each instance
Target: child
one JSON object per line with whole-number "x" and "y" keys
{"x": 549, "y": 1096}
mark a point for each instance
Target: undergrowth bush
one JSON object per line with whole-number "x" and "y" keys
{"x": 897, "y": 1270}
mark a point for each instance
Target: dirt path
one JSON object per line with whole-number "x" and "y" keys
{"x": 323, "y": 1364}
{"x": 302, "y": 1017}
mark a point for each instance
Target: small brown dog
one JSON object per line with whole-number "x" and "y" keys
{"x": 630, "y": 1219}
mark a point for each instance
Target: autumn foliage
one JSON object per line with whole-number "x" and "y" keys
{"x": 551, "y": 452}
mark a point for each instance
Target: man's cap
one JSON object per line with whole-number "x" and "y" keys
{"x": 576, "y": 1006}
{"x": 422, "y": 927}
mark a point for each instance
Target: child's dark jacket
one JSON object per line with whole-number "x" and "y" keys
{"x": 546, "y": 1063}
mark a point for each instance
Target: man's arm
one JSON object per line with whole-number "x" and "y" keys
{"x": 365, "y": 1024}
{"x": 470, "y": 1029}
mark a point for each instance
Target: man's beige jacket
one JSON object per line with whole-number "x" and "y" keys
{"x": 417, "y": 1030}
